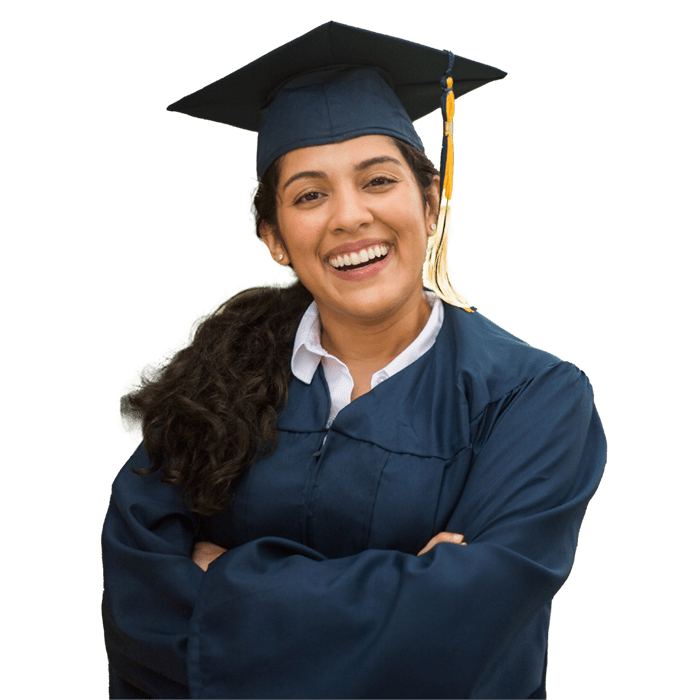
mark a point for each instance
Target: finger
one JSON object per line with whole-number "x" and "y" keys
{"x": 453, "y": 537}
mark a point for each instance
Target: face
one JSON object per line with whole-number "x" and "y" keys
{"x": 353, "y": 223}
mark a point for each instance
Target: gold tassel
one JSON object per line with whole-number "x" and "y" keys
{"x": 435, "y": 275}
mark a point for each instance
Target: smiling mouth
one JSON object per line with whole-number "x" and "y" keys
{"x": 361, "y": 258}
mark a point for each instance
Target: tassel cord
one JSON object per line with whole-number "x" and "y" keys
{"x": 435, "y": 273}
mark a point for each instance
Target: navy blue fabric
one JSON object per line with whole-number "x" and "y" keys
{"x": 331, "y": 106}
{"x": 321, "y": 593}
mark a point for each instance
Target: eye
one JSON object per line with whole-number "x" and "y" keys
{"x": 381, "y": 181}
{"x": 308, "y": 197}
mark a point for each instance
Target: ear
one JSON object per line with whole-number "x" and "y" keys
{"x": 432, "y": 202}
{"x": 273, "y": 241}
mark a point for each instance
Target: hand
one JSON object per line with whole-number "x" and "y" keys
{"x": 453, "y": 537}
{"x": 204, "y": 554}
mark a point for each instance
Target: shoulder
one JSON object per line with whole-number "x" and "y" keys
{"x": 492, "y": 363}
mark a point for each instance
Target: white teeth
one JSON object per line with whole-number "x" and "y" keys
{"x": 362, "y": 256}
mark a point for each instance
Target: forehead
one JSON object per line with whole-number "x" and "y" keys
{"x": 335, "y": 157}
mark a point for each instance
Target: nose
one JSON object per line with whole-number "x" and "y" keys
{"x": 349, "y": 210}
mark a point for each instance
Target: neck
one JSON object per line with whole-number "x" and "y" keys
{"x": 373, "y": 342}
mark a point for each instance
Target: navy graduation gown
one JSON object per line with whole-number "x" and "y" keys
{"x": 320, "y": 593}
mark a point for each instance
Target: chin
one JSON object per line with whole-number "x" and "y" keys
{"x": 370, "y": 307}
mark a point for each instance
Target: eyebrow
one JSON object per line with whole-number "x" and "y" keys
{"x": 319, "y": 174}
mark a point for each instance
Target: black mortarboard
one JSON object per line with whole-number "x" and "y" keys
{"x": 334, "y": 83}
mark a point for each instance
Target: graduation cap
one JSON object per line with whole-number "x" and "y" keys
{"x": 336, "y": 83}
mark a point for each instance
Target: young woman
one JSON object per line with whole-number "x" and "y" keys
{"x": 351, "y": 487}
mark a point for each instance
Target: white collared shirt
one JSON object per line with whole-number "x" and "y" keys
{"x": 308, "y": 352}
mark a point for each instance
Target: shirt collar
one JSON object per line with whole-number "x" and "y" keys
{"x": 308, "y": 351}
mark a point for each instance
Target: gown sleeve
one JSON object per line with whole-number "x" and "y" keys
{"x": 150, "y": 585}
{"x": 276, "y": 619}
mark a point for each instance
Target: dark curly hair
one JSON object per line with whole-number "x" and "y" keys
{"x": 212, "y": 409}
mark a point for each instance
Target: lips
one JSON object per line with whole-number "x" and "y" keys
{"x": 354, "y": 247}
{"x": 359, "y": 257}
{"x": 363, "y": 270}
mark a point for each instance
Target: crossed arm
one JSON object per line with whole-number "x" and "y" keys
{"x": 204, "y": 553}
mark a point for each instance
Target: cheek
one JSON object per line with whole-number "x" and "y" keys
{"x": 410, "y": 210}
{"x": 410, "y": 220}
{"x": 300, "y": 233}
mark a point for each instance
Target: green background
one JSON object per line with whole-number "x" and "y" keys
{"x": 574, "y": 185}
